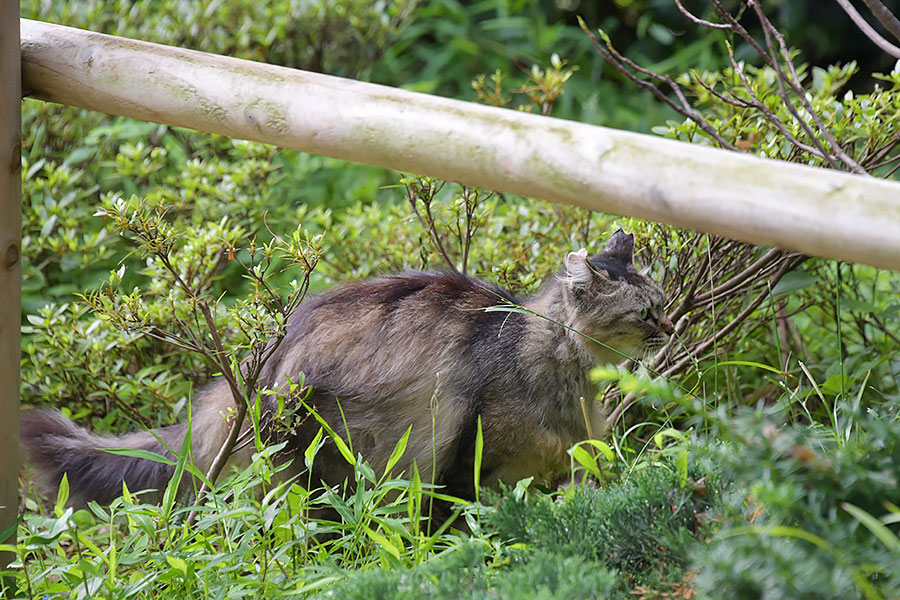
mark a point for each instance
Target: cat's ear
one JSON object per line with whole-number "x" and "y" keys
{"x": 621, "y": 246}
{"x": 577, "y": 270}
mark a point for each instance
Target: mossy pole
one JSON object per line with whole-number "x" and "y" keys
{"x": 769, "y": 202}
{"x": 10, "y": 263}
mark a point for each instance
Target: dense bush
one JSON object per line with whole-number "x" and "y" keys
{"x": 809, "y": 513}
{"x": 334, "y": 37}
{"x": 644, "y": 526}
{"x": 462, "y": 573}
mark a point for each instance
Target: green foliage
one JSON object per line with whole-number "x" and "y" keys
{"x": 863, "y": 124}
{"x": 67, "y": 363}
{"x": 253, "y": 538}
{"x": 462, "y": 573}
{"x": 66, "y": 348}
{"x": 343, "y": 37}
{"x": 804, "y": 504}
{"x": 644, "y": 525}
{"x": 517, "y": 242}
{"x": 447, "y": 43}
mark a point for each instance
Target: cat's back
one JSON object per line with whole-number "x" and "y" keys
{"x": 433, "y": 292}
{"x": 391, "y": 328}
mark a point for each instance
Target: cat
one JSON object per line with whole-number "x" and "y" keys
{"x": 412, "y": 350}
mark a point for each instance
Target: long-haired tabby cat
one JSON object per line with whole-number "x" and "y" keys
{"x": 417, "y": 350}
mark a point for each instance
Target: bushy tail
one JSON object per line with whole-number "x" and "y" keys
{"x": 55, "y": 445}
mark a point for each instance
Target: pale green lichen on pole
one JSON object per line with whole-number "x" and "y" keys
{"x": 774, "y": 203}
{"x": 10, "y": 266}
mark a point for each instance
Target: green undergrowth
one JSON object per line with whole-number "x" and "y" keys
{"x": 471, "y": 570}
{"x": 763, "y": 509}
{"x": 257, "y": 538}
{"x": 806, "y": 514}
{"x": 635, "y": 526}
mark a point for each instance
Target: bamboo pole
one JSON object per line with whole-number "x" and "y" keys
{"x": 10, "y": 264}
{"x": 816, "y": 211}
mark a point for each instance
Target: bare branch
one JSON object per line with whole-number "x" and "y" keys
{"x": 770, "y": 116}
{"x": 702, "y": 348}
{"x": 735, "y": 280}
{"x": 698, "y": 21}
{"x": 222, "y": 456}
{"x": 867, "y": 29}
{"x": 739, "y": 29}
{"x": 884, "y": 16}
{"x": 428, "y": 220}
{"x": 733, "y": 101}
{"x": 614, "y": 58}
{"x": 770, "y": 31}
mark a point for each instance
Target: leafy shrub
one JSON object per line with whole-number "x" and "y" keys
{"x": 643, "y": 526}
{"x": 800, "y": 519}
{"x": 462, "y": 573}
{"x": 335, "y": 37}
{"x": 66, "y": 349}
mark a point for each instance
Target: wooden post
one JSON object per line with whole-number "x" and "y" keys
{"x": 770, "y": 202}
{"x": 10, "y": 262}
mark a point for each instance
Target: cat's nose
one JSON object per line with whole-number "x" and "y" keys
{"x": 666, "y": 325}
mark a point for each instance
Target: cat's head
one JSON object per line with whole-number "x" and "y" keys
{"x": 612, "y": 302}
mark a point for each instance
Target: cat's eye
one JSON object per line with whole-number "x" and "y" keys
{"x": 643, "y": 314}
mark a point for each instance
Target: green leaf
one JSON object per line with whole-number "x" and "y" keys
{"x": 171, "y": 492}
{"x": 521, "y": 488}
{"x": 586, "y": 460}
{"x": 887, "y": 537}
{"x": 859, "y": 305}
{"x": 681, "y": 465}
{"x": 137, "y": 453}
{"x": 178, "y": 564}
{"x": 49, "y": 224}
{"x": 399, "y": 449}
{"x": 511, "y": 309}
{"x": 669, "y": 432}
{"x": 794, "y": 281}
{"x": 310, "y": 453}
{"x": 383, "y": 542}
{"x": 479, "y": 451}
{"x": 62, "y": 496}
{"x": 745, "y": 363}
{"x": 604, "y": 449}
{"x": 338, "y": 441}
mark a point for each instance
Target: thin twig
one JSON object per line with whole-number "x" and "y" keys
{"x": 735, "y": 280}
{"x": 698, "y": 21}
{"x": 222, "y": 456}
{"x": 428, "y": 222}
{"x": 771, "y": 116}
{"x": 884, "y": 16}
{"x": 614, "y": 58}
{"x": 739, "y": 29}
{"x": 740, "y": 318}
{"x": 867, "y": 29}
{"x": 733, "y": 100}
{"x": 884, "y": 329}
{"x": 770, "y": 31}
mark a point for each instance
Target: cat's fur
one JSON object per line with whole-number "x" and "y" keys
{"x": 414, "y": 349}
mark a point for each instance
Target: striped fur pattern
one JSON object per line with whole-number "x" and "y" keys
{"x": 419, "y": 350}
